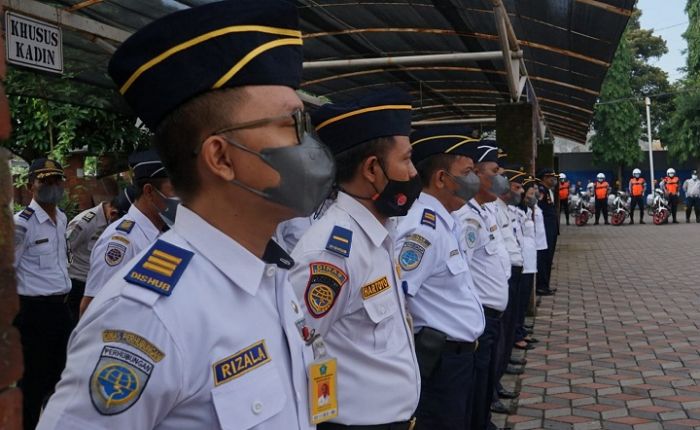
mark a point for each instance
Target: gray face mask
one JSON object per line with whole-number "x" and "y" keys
{"x": 306, "y": 174}
{"x": 515, "y": 199}
{"x": 168, "y": 214}
{"x": 49, "y": 194}
{"x": 499, "y": 185}
{"x": 531, "y": 201}
{"x": 468, "y": 185}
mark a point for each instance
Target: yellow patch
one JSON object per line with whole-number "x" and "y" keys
{"x": 120, "y": 239}
{"x": 376, "y": 287}
{"x": 240, "y": 363}
{"x": 135, "y": 340}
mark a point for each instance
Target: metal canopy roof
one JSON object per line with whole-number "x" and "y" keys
{"x": 558, "y": 50}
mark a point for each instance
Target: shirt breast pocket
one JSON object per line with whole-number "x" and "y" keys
{"x": 383, "y": 311}
{"x": 491, "y": 247}
{"x": 456, "y": 265}
{"x": 42, "y": 253}
{"x": 256, "y": 397}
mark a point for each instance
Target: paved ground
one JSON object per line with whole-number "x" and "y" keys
{"x": 620, "y": 346}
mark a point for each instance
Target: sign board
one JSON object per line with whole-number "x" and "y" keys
{"x": 33, "y": 43}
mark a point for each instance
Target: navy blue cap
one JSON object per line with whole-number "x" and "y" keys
{"x": 546, "y": 171}
{"x": 218, "y": 45}
{"x": 487, "y": 150}
{"x": 443, "y": 139}
{"x": 381, "y": 113}
{"x": 146, "y": 165}
{"x": 515, "y": 175}
{"x": 43, "y": 168}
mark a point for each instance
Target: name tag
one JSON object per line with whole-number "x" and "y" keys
{"x": 40, "y": 241}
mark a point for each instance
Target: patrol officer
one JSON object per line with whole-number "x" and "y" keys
{"x": 545, "y": 257}
{"x": 483, "y": 243}
{"x": 136, "y": 230}
{"x": 691, "y": 188}
{"x": 510, "y": 227}
{"x": 601, "y": 192}
{"x": 41, "y": 267}
{"x": 202, "y": 330}
{"x": 670, "y": 185}
{"x": 637, "y": 189}
{"x": 447, "y": 314}
{"x": 82, "y": 233}
{"x": 564, "y": 190}
{"x": 345, "y": 267}
{"x": 526, "y": 211}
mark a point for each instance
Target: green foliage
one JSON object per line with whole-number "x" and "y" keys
{"x": 617, "y": 124}
{"x": 684, "y": 126}
{"x": 48, "y": 121}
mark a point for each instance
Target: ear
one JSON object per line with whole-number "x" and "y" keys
{"x": 369, "y": 168}
{"x": 217, "y": 158}
{"x": 439, "y": 178}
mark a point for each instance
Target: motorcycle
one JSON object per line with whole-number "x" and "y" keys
{"x": 619, "y": 206}
{"x": 580, "y": 206}
{"x": 658, "y": 207}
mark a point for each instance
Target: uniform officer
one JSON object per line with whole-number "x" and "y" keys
{"x": 691, "y": 188}
{"x": 202, "y": 330}
{"x": 511, "y": 230}
{"x": 545, "y": 257}
{"x": 564, "y": 190}
{"x": 484, "y": 246}
{"x": 41, "y": 265}
{"x": 82, "y": 233}
{"x": 447, "y": 315}
{"x": 526, "y": 211}
{"x": 601, "y": 192}
{"x": 345, "y": 267}
{"x": 637, "y": 189}
{"x": 670, "y": 185}
{"x": 136, "y": 230}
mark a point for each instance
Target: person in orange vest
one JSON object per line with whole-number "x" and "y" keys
{"x": 602, "y": 189}
{"x": 564, "y": 190}
{"x": 637, "y": 189}
{"x": 671, "y": 186}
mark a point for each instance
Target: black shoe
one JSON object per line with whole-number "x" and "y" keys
{"x": 529, "y": 331}
{"x": 607, "y": 223}
{"x": 513, "y": 370}
{"x": 526, "y": 348}
{"x": 687, "y": 221}
{"x": 642, "y": 221}
{"x": 595, "y": 223}
{"x": 545, "y": 292}
{"x": 498, "y": 407}
{"x": 505, "y": 394}
{"x": 675, "y": 222}
{"x": 631, "y": 221}
{"x": 518, "y": 361}
{"x": 531, "y": 340}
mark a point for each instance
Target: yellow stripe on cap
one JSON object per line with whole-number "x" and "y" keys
{"x": 361, "y": 111}
{"x": 250, "y": 56}
{"x": 201, "y": 39}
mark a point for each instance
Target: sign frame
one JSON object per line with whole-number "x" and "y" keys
{"x": 9, "y": 39}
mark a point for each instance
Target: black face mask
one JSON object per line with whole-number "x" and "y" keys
{"x": 397, "y": 197}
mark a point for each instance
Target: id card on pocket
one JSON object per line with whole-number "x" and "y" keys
{"x": 323, "y": 390}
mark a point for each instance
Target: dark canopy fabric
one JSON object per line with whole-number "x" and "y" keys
{"x": 567, "y": 48}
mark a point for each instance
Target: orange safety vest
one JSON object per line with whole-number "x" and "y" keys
{"x": 672, "y": 184}
{"x": 637, "y": 186}
{"x": 601, "y": 190}
{"x": 564, "y": 190}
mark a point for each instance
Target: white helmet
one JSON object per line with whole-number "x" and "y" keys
{"x": 562, "y": 176}
{"x": 636, "y": 173}
{"x": 671, "y": 172}
{"x": 600, "y": 176}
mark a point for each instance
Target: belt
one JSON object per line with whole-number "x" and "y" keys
{"x": 401, "y": 425}
{"x": 459, "y": 347}
{"x": 492, "y": 313}
{"x": 58, "y": 298}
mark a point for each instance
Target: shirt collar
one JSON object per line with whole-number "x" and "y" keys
{"x": 363, "y": 217}
{"x": 236, "y": 263}
{"x": 433, "y": 203}
{"x": 39, "y": 212}
{"x": 100, "y": 214}
{"x": 143, "y": 223}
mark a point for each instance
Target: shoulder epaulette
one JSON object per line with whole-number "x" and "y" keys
{"x": 89, "y": 216}
{"x": 26, "y": 213}
{"x": 126, "y": 226}
{"x": 340, "y": 241}
{"x": 428, "y": 218}
{"x": 160, "y": 268}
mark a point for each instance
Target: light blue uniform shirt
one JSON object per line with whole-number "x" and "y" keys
{"x": 439, "y": 286}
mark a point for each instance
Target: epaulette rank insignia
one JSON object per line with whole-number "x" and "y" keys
{"x": 88, "y": 216}
{"x": 428, "y": 218}
{"x": 126, "y": 226}
{"x": 160, "y": 268}
{"x": 340, "y": 241}
{"x": 26, "y": 213}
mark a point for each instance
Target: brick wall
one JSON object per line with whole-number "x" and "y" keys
{"x": 10, "y": 352}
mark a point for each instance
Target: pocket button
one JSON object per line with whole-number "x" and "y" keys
{"x": 257, "y": 407}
